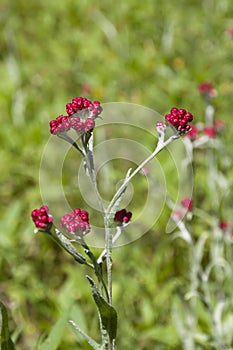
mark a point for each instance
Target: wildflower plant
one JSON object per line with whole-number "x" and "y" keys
{"x": 210, "y": 267}
{"x": 77, "y": 129}
{"x": 90, "y": 242}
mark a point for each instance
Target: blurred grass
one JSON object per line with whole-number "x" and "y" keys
{"x": 151, "y": 53}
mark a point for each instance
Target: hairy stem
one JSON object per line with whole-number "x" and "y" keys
{"x": 159, "y": 147}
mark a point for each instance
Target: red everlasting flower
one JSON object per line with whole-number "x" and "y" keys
{"x": 210, "y": 132}
{"x": 81, "y": 114}
{"x": 207, "y": 89}
{"x": 123, "y": 216}
{"x": 76, "y": 222}
{"x": 187, "y": 203}
{"x": 179, "y": 119}
{"x": 41, "y": 218}
{"x": 224, "y": 225}
{"x": 161, "y": 127}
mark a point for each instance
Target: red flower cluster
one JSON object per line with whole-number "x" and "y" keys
{"x": 41, "y": 217}
{"x": 79, "y": 107}
{"x": 210, "y": 132}
{"x": 76, "y": 222}
{"x": 207, "y": 89}
{"x": 224, "y": 225}
{"x": 179, "y": 118}
{"x": 123, "y": 216}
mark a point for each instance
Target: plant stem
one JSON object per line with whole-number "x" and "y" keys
{"x": 108, "y": 249}
{"x": 159, "y": 147}
{"x": 109, "y": 240}
{"x": 102, "y": 256}
{"x": 88, "y": 156}
{"x": 96, "y": 266}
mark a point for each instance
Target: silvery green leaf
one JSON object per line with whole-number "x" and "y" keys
{"x": 107, "y": 313}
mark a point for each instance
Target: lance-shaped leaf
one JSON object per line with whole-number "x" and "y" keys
{"x": 6, "y": 342}
{"x": 107, "y": 313}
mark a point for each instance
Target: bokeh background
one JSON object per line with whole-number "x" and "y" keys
{"x": 152, "y": 53}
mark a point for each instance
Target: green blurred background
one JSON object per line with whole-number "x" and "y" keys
{"x": 153, "y": 53}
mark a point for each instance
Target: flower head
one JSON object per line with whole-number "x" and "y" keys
{"x": 207, "y": 90}
{"x": 122, "y": 216}
{"x": 210, "y": 132}
{"x": 179, "y": 119}
{"x": 81, "y": 114}
{"x": 76, "y": 222}
{"x": 224, "y": 225}
{"x": 41, "y": 218}
{"x": 161, "y": 127}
